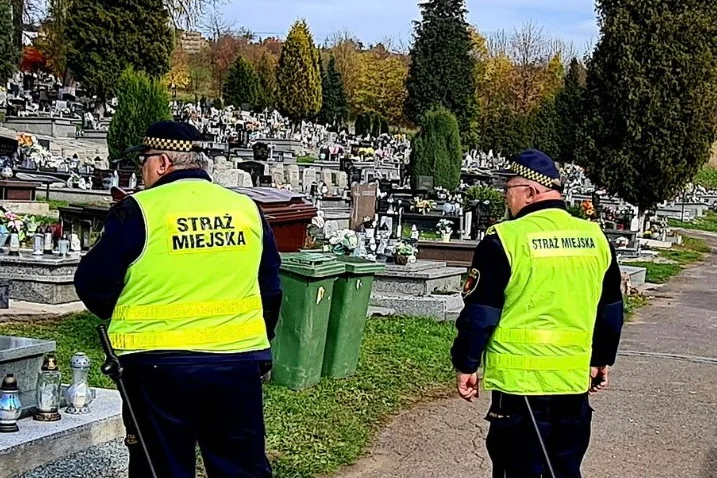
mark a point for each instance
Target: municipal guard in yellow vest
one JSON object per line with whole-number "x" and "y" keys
{"x": 543, "y": 316}
{"x": 188, "y": 273}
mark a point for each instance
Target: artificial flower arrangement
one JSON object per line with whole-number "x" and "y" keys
{"x": 444, "y": 227}
{"x": 423, "y": 205}
{"x": 22, "y": 225}
{"x": 343, "y": 242}
{"x": 404, "y": 253}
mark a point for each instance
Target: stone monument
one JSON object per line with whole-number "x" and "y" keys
{"x": 308, "y": 179}
{"x": 292, "y": 173}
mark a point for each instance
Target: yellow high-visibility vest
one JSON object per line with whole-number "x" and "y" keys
{"x": 195, "y": 286}
{"x": 543, "y": 342}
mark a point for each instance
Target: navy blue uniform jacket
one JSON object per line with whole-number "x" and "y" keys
{"x": 99, "y": 279}
{"x": 484, "y": 306}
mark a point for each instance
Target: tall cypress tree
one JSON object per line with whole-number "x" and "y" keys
{"x": 141, "y": 101}
{"x": 437, "y": 149}
{"x": 298, "y": 77}
{"x": 140, "y": 38}
{"x": 242, "y": 86}
{"x": 9, "y": 52}
{"x": 266, "y": 72}
{"x": 651, "y": 98}
{"x": 334, "y": 107}
{"x": 568, "y": 106}
{"x": 442, "y": 66}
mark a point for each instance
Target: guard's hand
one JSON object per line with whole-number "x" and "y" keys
{"x": 467, "y": 385}
{"x": 599, "y": 379}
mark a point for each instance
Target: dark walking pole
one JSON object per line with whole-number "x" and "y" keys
{"x": 540, "y": 439}
{"x": 113, "y": 369}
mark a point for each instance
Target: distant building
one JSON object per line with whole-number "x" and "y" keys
{"x": 192, "y": 42}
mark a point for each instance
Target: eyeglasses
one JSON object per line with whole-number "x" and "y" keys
{"x": 143, "y": 158}
{"x": 506, "y": 188}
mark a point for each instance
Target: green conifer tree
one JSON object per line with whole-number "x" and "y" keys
{"x": 650, "y": 100}
{"x": 242, "y": 86}
{"x": 437, "y": 149}
{"x": 108, "y": 36}
{"x": 9, "y": 52}
{"x": 141, "y": 101}
{"x": 442, "y": 66}
{"x": 298, "y": 76}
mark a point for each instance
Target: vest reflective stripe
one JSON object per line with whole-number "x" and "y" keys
{"x": 554, "y": 337}
{"x": 189, "y": 338}
{"x": 516, "y": 362}
{"x": 187, "y": 310}
{"x": 543, "y": 342}
{"x": 196, "y": 284}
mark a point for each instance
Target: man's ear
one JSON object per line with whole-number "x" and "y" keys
{"x": 166, "y": 162}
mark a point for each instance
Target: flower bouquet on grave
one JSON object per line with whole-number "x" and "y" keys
{"x": 445, "y": 229}
{"x": 423, "y": 206}
{"x": 343, "y": 242}
{"x": 404, "y": 253}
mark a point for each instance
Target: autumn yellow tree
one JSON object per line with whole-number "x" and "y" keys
{"x": 178, "y": 74}
{"x": 381, "y": 84}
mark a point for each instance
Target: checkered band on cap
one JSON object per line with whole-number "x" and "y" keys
{"x": 163, "y": 144}
{"x": 528, "y": 173}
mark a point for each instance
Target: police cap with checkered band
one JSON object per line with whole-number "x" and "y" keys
{"x": 535, "y": 166}
{"x": 169, "y": 136}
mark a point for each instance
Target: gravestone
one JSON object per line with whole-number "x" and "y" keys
{"x": 277, "y": 175}
{"x": 342, "y": 180}
{"x": 221, "y": 163}
{"x": 327, "y": 177}
{"x": 292, "y": 173}
{"x": 364, "y": 203}
{"x": 308, "y": 179}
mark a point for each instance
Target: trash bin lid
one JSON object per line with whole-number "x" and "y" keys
{"x": 357, "y": 265}
{"x": 311, "y": 264}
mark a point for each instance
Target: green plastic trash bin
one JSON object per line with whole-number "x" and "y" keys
{"x": 307, "y": 280}
{"x": 352, "y": 292}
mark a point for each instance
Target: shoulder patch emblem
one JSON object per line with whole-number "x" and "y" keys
{"x": 471, "y": 283}
{"x": 490, "y": 230}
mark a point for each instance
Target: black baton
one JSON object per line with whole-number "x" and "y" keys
{"x": 113, "y": 369}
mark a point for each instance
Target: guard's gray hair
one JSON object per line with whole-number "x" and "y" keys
{"x": 188, "y": 160}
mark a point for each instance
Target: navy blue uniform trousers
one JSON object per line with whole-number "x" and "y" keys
{"x": 218, "y": 406}
{"x": 564, "y": 422}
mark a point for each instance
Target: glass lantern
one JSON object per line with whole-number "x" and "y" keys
{"x": 48, "y": 390}
{"x": 38, "y": 244}
{"x": 10, "y": 406}
{"x": 79, "y": 395}
{"x": 14, "y": 248}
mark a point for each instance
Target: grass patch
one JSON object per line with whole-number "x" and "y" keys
{"x": 658, "y": 273}
{"x": 692, "y": 250}
{"x": 632, "y": 303}
{"x": 316, "y": 431}
{"x": 305, "y": 159}
{"x": 706, "y": 223}
{"x": 707, "y": 177}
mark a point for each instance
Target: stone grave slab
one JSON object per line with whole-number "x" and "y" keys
{"x": 40, "y": 444}
{"x": 41, "y": 279}
{"x": 22, "y": 357}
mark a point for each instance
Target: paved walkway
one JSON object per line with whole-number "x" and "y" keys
{"x": 657, "y": 420}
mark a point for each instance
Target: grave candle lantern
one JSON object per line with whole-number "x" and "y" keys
{"x": 79, "y": 395}
{"x": 48, "y": 390}
{"x": 38, "y": 244}
{"x": 48, "y": 240}
{"x": 14, "y": 249}
{"x": 10, "y": 406}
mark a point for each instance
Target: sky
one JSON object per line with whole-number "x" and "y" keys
{"x": 374, "y": 20}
